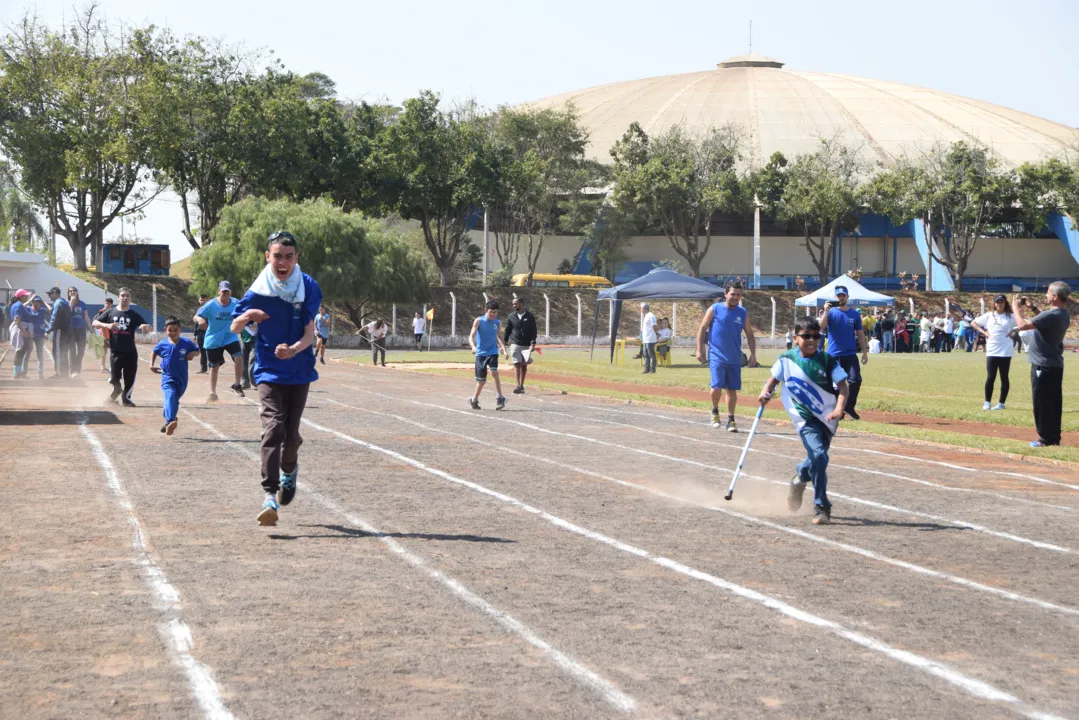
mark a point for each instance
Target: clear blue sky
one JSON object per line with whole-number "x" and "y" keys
{"x": 1016, "y": 54}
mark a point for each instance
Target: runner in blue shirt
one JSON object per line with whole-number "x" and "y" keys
{"x": 216, "y": 317}
{"x": 486, "y": 342}
{"x": 175, "y": 352}
{"x": 322, "y": 333}
{"x": 283, "y": 302}
{"x": 843, "y": 324}
{"x": 722, "y": 326}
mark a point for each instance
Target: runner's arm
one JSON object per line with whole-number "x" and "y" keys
{"x": 284, "y": 352}
{"x": 841, "y": 401}
{"x": 472, "y": 335}
{"x": 769, "y": 388}
{"x": 701, "y": 332}
{"x": 751, "y": 339}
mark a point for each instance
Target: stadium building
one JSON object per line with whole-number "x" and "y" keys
{"x": 790, "y": 111}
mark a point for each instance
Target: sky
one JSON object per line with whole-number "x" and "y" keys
{"x": 1016, "y": 54}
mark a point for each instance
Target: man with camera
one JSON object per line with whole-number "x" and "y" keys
{"x": 1046, "y": 357}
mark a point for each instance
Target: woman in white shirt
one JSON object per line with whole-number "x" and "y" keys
{"x": 995, "y": 327}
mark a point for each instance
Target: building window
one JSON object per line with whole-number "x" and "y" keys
{"x": 114, "y": 252}
{"x": 129, "y": 259}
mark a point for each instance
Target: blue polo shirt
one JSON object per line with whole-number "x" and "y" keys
{"x": 285, "y": 324}
{"x": 843, "y": 327}
{"x": 174, "y": 359}
{"x": 725, "y": 335}
{"x": 218, "y": 323}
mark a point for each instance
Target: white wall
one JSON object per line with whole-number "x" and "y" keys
{"x": 27, "y": 270}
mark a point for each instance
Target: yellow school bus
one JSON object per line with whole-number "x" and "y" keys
{"x": 542, "y": 280}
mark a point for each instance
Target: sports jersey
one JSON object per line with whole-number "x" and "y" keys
{"x": 808, "y": 390}
{"x": 218, "y": 323}
{"x": 487, "y": 336}
{"x": 122, "y": 340}
{"x": 725, "y": 335}
{"x": 285, "y": 325}
{"x": 174, "y": 359}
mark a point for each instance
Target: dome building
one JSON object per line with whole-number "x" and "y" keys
{"x": 790, "y": 111}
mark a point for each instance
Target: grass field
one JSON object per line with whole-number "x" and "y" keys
{"x": 948, "y": 385}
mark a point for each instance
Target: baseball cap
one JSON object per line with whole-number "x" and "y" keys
{"x": 53, "y": 291}
{"x": 20, "y": 294}
{"x": 224, "y": 285}
{"x": 1000, "y": 297}
{"x": 841, "y": 290}
{"x": 36, "y": 298}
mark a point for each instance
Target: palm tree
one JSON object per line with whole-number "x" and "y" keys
{"x": 19, "y": 223}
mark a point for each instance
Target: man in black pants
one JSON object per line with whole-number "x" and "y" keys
{"x": 200, "y": 338}
{"x": 520, "y": 334}
{"x": 123, "y": 322}
{"x": 1046, "y": 357}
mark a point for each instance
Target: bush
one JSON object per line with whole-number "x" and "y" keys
{"x": 565, "y": 267}
{"x": 499, "y": 278}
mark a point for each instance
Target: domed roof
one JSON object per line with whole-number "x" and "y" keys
{"x": 790, "y": 111}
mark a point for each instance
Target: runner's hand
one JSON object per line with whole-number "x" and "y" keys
{"x": 282, "y": 351}
{"x": 155, "y": 369}
{"x": 865, "y": 358}
{"x": 256, "y": 316}
{"x": 115, "y": 327}
{"x": 699, "y": 355}
{"x": 764, "y": 397}
{"x": 836, "y": 414}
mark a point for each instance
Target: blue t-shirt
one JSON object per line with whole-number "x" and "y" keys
{"x": 285, "y": 324}
{"x": 725, "y": 335}
{"x": 218, "y": 323}
{"x": 487, "y": 336}
{"x": 174, "y": 359}
{"x": 13, "y": 311}
{"x": 843, "y": 327}
{"x": 78, "y": 322}
{"x": 34, "y": 320}
{"x": 322, "y": 325}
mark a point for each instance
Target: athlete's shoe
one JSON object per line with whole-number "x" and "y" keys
{"x": 212, "y": 399}
{"x": 853, "y": 414}
{"x": 474, "y": 403}
{"x": 170, "y": 427}
{"x": 287, "y": 490}
{"x": 237, "y": 389}
{"x": 322, "y": 360}
{"x": 128, "y": 403}
{"x": 268, "y": 515}
{"x": 500, "y": 403}
{"x": 715, "y": 419}
{"x": 998, "y": 406}
{"x": 987, "y": 405}
{"x": 246, "y": 386}
{"x": 518, "y": 390}
{"x": 822, "y": 515}
{"x": 731, "y": 427}
{"x": 794, "y": 493}
{"x": 203, "y": 372}
{"x": 164, "y": 426}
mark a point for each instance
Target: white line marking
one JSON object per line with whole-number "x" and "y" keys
{"x": 732, "y": 513}
{"x": 586, "y": 677}
{"x": 771, "y": 453}
{"x": 927, "y": 461}
{"x": 905, "y": 511}
{"x": 176, "y": 633}
{"x": 970, "y": 685}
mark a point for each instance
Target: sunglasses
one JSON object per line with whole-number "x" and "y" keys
{"x": 810, "y": 336}
{"x": 279, "y": 235}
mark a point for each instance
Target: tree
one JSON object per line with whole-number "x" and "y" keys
{"x": 440, "y": 168}
{"x": 820, "y": 195}
{"x": 399, "y": 275}
{"x": 70, "y": 121}
{"x": 1045, "y": 187}
{"x": 959, "y": 192}
{"x": 678, "y": 183}
{"x": 21, "y": 228}
{"x": 546, "y": 170}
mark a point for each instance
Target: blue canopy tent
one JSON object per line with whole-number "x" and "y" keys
{"x": 857, "y": 296}
{"x": 659, "y": 284}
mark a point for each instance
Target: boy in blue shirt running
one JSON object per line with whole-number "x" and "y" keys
{"x": 282, "y": 302}
{"x": 175, "y": 352}
{"x": 486, "y": 342}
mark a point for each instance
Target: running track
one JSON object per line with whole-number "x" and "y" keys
{"x": 568, "y": 557}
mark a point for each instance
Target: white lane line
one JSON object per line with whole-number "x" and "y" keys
{"x": 771, "y": 453}
{"x": 961, "y": 581}
{"x": 968, "y": 684}
{"x": 939, "y": 463}
{"x": 859, "y": 501}
{"x": 174, "y": 630}
{"x": 583, "y": 675}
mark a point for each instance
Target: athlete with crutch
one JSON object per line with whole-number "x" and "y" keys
{"x": 814, "y": 393}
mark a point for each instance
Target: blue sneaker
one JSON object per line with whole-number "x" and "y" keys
{"x": 287, "y": 490}
{"x": 268, "y": 516}
{"x": 1039, "y": 444}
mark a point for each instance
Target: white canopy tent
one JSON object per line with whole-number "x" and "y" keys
{"x": 858, "y": 296}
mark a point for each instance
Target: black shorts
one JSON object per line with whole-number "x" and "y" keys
{"x": 418, "y": 336}
{"x": 325, "y": 339}
{"x": 216, "y": 356}
{"x": 483, "y": 362}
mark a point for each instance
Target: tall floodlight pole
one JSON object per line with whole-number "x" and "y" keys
{"x": 485, "y": 248}
{"x": 756, "y": 243}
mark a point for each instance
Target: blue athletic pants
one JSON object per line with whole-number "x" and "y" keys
{"x": 174, "y": 390}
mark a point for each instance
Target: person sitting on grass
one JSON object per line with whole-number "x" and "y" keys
{"x": 812, "y": 380}
{"x": 175, "y": 353}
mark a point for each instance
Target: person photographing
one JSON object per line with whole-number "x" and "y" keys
{"x": 1046, "y": 355}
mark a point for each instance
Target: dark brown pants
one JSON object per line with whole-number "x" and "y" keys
{"x": 282, "y": 409}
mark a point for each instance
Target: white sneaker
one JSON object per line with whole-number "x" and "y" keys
{"x": 987, "y": 406}
{"x": 998, "y": 406}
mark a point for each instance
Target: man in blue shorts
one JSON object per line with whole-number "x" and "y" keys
{"x": 843, "y": 324}
{"x": 322, "y": 333}
{"x": 216, "y": 317}
{"x": 486, "y": 342}
{"x": 723, "y": 325}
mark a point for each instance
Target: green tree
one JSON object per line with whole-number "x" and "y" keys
{"x": 959, "y": 192}
{"x": 439, "y": 168}
{"x": 819, "y": 195}
{"x": 70, "y": 120}
{"x": 21, "y": 228}
{"x": 399, "y": 275}
{"x": 1045, "y": 187}
{"x": 677, "y": 183}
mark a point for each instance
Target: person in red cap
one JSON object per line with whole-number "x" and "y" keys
{"x": 20, "y": 335}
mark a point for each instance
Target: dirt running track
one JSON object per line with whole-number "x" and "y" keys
{"x": 564, "y": 558}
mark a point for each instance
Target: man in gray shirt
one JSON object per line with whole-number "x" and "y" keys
{"x": 1046, "y": 359}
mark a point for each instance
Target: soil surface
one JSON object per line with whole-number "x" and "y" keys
{"x": 567, "y": 557}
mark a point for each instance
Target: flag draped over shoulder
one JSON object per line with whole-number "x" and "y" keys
{"x": 808, "y": 391}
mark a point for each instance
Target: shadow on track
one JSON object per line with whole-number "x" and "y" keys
{"x": 343, "y": 531}
{"x": 865, "y": 522}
